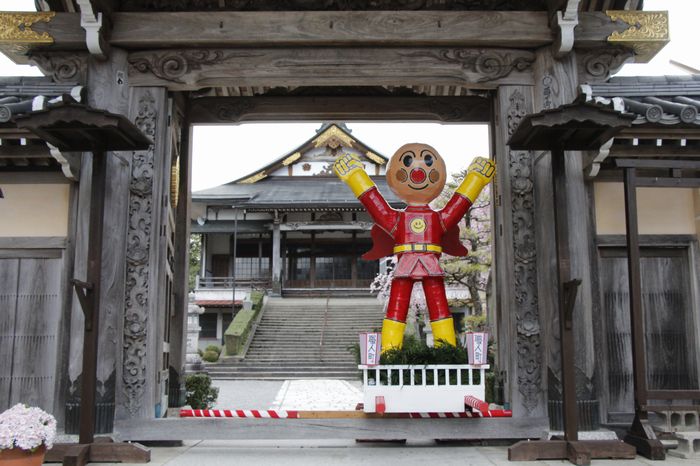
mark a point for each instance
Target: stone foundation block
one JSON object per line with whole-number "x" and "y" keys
{"x": 688, "y": 445}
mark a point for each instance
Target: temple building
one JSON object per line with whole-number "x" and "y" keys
{"x": 291, "y": 227}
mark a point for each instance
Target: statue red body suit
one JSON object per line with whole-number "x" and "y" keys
{"x": 418, "y": 235}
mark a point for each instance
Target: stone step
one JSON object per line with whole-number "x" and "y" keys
{"x": 286, "y": 377}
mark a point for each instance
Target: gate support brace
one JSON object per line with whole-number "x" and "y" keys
{"x": 577, "y": 452}
{"x": 103, "y": 450}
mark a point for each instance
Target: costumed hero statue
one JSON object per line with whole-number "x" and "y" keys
{"x": 417, "y": 235}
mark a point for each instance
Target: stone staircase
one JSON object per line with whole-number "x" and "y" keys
{"x": 305, "y": 338}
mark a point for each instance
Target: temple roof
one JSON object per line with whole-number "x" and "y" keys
{"x": 20, "y": 150}
{"x": 290, "y": 192}
{"x": 654, "y": 100}
{"x": 332, "y": 135}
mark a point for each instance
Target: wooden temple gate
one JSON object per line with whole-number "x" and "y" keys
{"x": 167, "y": 67}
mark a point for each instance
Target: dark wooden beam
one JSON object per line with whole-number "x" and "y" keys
{"x": 654, "y": 151}
{"x": 665, "y": 163}
{"x": 522, "y": 29}
{"x": 191, "y": 69}
{"x": 209, "y": 110}
{"x": 32, "y": 151}
{"x": 513, "y": 29}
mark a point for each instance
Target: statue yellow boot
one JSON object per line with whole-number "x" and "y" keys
{"x": 392, "y": 334}
{"x": 444, "y": 331}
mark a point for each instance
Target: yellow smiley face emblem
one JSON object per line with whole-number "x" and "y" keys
{"x": 417, "y": 225}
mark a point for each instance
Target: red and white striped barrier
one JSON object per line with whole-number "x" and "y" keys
{"x": 475, "y": 403}
{"x": 244, "y": 413}
{"x": 489, "y": 413}
{"x": 279, "y": 414}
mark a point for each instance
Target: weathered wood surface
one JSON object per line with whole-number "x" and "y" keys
{"x": 188, "y": 69}
{"x": 374, "y": 429}
{"x": 178, "y": 331}
{"x": 30, "y": 311}
{"x": 140, "y": 342}
{"x": 108, "y": 89}
{"x": 33, "y": 242}
{"x": 519, "y": 329}
{"x": 521, "y": 29}
{"x": 669, "y": 330}
{"x": 240, "y": 109}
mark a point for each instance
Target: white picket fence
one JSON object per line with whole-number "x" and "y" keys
{"x": 422, "y": 388}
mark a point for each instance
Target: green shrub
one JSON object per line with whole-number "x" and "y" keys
{"x": 200, "y": 393}
{"x": 415, "y": 351}
{"x": 200, "y": 352}
{"x": 216, "y": 348}
{"x": 210, "y": 356}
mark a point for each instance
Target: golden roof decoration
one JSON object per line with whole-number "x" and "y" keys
{"x": 333, "y": 137}
{"x": 16, "y": 27}
{"x": 647, "y": 33}
{"x": 291, "y": 159}
{"x": 255, "y": 178}
{"x": 375, "y": 158}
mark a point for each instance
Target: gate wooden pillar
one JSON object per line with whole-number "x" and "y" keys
{"x": 108, "y": 90}
{"x": 141, "y": 385}
{"x": 556, "y": 83}
{"x": 519, "y": 329}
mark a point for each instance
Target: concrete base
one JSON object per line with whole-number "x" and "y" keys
{"x": 688, "y": 445}
{"x": 600, "y": 434}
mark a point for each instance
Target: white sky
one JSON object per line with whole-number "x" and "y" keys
{"x": 224, "y": 153}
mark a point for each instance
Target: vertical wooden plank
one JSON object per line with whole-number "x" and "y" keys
{"x": 9, "y": 276}
{"x": 635, "y": 293}
{"x": 182, "y": 242}
{"x": 516, "y": 259}
{"x": 615, "y": 299}
{"x": 36, "y": 327}
{"x": 108, "y": 89}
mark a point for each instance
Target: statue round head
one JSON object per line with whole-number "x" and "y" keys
{"x": 416, "y": 173}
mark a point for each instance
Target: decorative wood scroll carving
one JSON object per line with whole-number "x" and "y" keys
{"x": 194, "y": 69}
{"x": 62, "y": 67}
{"x": 597, "y": 65}
{"x": 137, "y": 255}
{"x": 525, "y": 263}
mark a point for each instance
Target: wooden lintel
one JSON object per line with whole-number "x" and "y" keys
{"x": 190, "y": 69}
{"x": 522, "y": 29}
{"x": 517, "y": 29}
{"x": 229, "y": 110}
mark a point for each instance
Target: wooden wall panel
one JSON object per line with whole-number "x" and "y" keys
{"x": 38, "y": 315}
{"x": 9, "y": 274}
{"x": 668, "y": 319}
{"x": 30, "y": 313}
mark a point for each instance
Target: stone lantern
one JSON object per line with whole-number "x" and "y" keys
{"x": 193, "y": 362}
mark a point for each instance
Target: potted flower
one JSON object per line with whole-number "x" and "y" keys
{"x": 25, "y": 435}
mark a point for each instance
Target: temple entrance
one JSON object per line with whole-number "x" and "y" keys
{"x": 328, "y": 261}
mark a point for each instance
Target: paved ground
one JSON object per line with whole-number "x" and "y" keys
{"x": 310, "y": 453}
{"x": 331, "y": 395}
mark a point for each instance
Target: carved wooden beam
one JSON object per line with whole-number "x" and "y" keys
{"x": 193, "y": 69}
{"x": 240, "y": 109}
{"x": 507, "y": 29}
